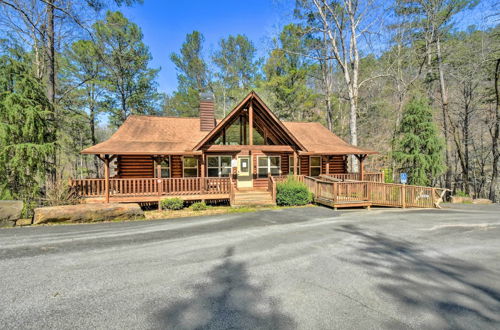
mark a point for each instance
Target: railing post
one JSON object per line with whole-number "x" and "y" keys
{"x": 106, "y": 182}
{"x": 403, "y": 196}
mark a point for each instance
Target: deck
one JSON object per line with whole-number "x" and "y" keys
{"x": 337, "y": 191}
{"x": 330, "y": 191}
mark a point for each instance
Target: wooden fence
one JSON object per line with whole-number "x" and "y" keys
{"x": 373, "y": 193}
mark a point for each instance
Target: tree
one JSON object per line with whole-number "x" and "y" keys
{"x": 238, "y": 66}
{"x": 129, "y": 82}
{"x": 418, "y": 148}
{"x": 431, "y": 20}
{"x": 27, "y": 142}
{"x": 344, "y": 24}
{"x": 287, "y": 74}
{"x": 192, "y": 77}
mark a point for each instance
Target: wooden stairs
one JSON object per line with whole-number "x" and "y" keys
{"x": 244, "y": 197}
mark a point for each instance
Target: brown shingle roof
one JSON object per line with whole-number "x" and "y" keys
{"x": 317, "y": 139}
{"x": 150, "y": 135}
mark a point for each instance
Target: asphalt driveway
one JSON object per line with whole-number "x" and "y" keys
{"x": 309, "y": 268}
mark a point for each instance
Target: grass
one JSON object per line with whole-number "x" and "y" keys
{"x": 211, "y": 210}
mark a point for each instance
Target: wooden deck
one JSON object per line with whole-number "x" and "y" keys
{"x": 151, "y": 190}
{"x": 331, "y": 192}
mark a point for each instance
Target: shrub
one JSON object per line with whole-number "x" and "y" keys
{"x": 172, "y": 203}
{"x": 460, "y": 193}
{"x": 199, "y": 206}
{"x": 292, "y": 192}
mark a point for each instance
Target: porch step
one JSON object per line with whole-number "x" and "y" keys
{"x": 253, "y": 197}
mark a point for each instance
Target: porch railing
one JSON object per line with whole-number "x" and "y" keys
{"x": 150, "y": 187}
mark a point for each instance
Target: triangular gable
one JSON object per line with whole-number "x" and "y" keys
{"x": 260, "y": 109}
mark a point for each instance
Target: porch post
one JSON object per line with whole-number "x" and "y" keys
{"x": 250, "y": 124}
{"x": 327, "y": 165}
{"x": 158, "y": 166}
{"x": 106, "y": 178}
{"x": 202, "y": 168}
{"x": 295, "y": 163}
{"x": 361, "y": 159}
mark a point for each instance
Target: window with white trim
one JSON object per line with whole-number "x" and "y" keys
{"x": 218, "y": 166}
{"x": 291, "y": 163}
{"x": 190, "y": 167}
{"x": 165, "y": 167}
{"x": 268, "y": 165}
{"x": 315, "y": 165}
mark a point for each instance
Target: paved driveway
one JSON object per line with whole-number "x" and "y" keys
{"x": 309, "y": 268}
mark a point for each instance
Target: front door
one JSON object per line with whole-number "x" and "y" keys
{"x": 244, "y": 177}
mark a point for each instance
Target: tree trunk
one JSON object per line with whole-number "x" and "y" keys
{"x": 444, "y": 108}
{"x": 51, "y": 56}
{"x": 495, "y": 137}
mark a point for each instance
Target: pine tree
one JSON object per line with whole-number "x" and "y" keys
{"x": 192, "y": 77}
{"x": 418, "y": 148}
{"x": 27, "y": 141}
{"x": 130, "y": 83}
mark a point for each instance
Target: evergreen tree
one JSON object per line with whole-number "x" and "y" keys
{"x": 238, "y": 67}
{"x": 129, "y": 81}
{"x": 27, "y": 142}
{"x": 286, "y": 73}
{"x": 418, "y": 148}
{"x": 192, "y": 77}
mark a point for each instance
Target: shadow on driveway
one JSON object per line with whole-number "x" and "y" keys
{"x": 227, "y": 301}
{"x": 458, "y": 294}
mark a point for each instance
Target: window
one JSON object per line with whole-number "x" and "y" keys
{"x": 190, "y": 167}
{"x": 314, "y": 165}
{"x": 291, "y": 165}
{"x": 165, "y": 168}
{"x": 218, "y": 166}
{"x": 268, "y": 165}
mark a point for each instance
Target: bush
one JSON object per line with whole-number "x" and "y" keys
{"x": 461, "y": 193}
{"x": 199, "y": 206}
{"x": 292, "y": 192}
{"x": 172, "y": 203}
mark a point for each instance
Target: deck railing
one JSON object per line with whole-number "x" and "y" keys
{"x": 150, "y": 187}
{"x": 367, "y": 176}
{"x": 381, "y": 194}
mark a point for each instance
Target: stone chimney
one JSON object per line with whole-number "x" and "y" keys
{"x": 207, "y": 112}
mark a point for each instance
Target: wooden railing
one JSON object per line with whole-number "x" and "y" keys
{"x": 382, "y": 194}
{"x": 367, "y": 176}
{"x": 149, "y": 187}
{"x": 271, "y": 187}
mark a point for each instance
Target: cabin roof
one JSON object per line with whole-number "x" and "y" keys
{"x": 155, "y": 135}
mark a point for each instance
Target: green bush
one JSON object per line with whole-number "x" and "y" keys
{"x": 172, "y": 203}
{"x": 292, "y": 192}
{"x": 460, "y": 193}
{"x": 199, "y": 206}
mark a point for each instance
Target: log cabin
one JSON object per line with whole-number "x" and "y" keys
{"x": 238, "y": 158}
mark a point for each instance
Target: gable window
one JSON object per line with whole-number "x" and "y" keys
{"x": 291, "y": 165}
{"x": 268, "y": 165}
{"x": 165, "y": 167}
{"x": 190, "y": 167}
{"x": 314, "y": 165}
{"x": 218, "y": 166}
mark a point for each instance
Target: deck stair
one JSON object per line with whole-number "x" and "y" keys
{"x": 253, "y": 198}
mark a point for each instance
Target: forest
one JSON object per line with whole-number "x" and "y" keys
{"x": 400, "y": 77}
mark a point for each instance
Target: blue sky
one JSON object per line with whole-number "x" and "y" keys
{"x": 165, "y": 24}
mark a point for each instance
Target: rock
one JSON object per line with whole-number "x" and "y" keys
{"x": 482, "y": 201}
{"x": 10, "y": 211}
{"x": 459, "y": 199}
{"x": 87, "y": 213}
{"x": 24, "y": 222}
{"x": 7, "y": 223}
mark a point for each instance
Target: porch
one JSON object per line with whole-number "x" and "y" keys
{"x": 151, "y": 190}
